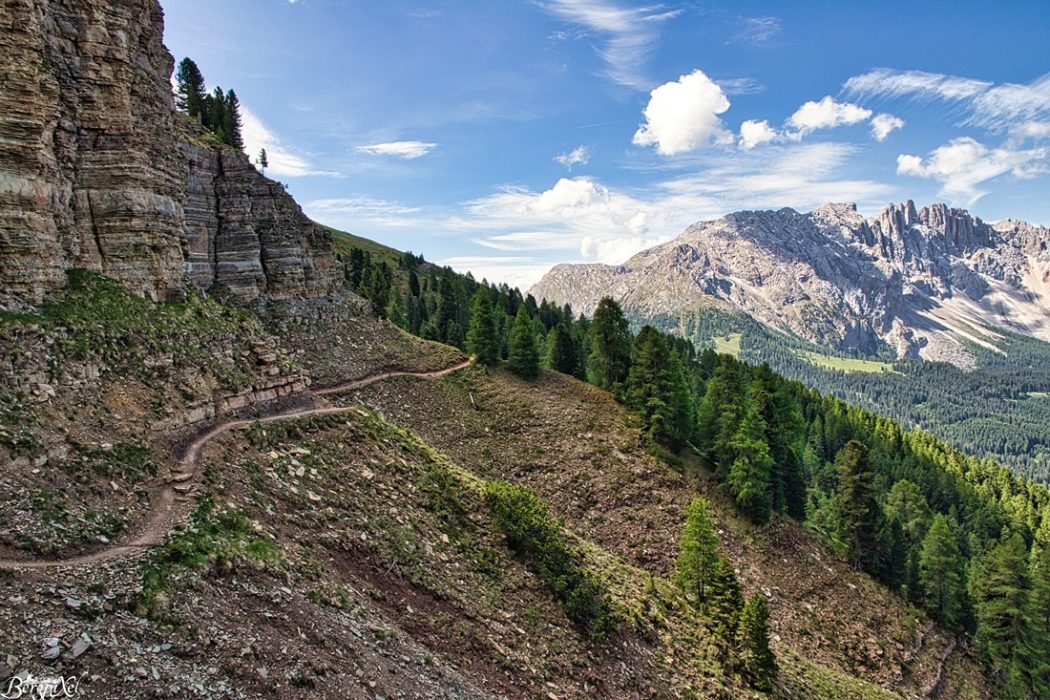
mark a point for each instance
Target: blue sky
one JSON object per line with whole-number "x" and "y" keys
{"x": 504, "y": 137}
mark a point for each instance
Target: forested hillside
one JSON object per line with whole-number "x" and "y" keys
{"x": 958, "y": 535}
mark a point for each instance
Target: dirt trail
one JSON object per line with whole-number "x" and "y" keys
{"x": 164, "y": 513}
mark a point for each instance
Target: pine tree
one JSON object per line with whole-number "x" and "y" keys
{"x": 725, "y": 599}
{"x": 697, "y": 553}
{"x": 189, "y": 93}
{"x": 756, "y": 660}
{"x": 562, "y": 356}
{"x": 375, "y": 286}
{"x": 448, "y": 307}
{"x": 648, "y": 388}
{"x": 263, "y": 161}
{"x": 720, "y": 413}
{"x": 941, "y": 573}
{"x": 214, "y": 113}
{"x": 610, "y": 356}
{"x": 482, "y": 341}
{"x": 232, "y": 121}
{"x": 523, "y": 358}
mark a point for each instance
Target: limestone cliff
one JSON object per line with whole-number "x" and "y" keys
{"x": 93, "y": 174}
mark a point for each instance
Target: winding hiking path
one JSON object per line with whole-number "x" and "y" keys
{"x": 164, "y": 513}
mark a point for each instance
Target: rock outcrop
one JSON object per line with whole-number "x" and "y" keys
{"x": 92, "y": 174}
{"x": 916, "y": 280}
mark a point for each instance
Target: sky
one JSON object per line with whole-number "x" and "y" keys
{"x": 505, "y": 137}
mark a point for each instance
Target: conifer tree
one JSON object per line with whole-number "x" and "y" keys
{"x": 482, "y": 341}
{"x": 396, "y": 312}
{"x": 858, "y": 506}
{"x": 523, "y": 358}
{"x": 756, "y": 660}
{"x": 648, "y": 387}
{"x": 610, "y": 356}
{"x": 1001, "y": 601}
{"x": 725, "y": 599}
{"x": 232, "y": 121}
{"x": 697, "y": 553}
{"x": 1039, "y": 607}
{"x": 720, "y": 413}
{"x": 563, "y": 356}
{"x": 748, "y": 477}
{"x": 263, "y": 161}
{"x": 189, "y": 92}
{"x": 941, "y": 573}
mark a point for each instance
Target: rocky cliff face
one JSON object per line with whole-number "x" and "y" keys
{"x": 918, "y": 280}
{"x": 92, "y": 173}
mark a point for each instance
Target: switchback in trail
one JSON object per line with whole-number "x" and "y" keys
{"x": 164, "y": 513}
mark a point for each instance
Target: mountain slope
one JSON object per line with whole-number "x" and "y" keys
{"x": 913, "y": 283}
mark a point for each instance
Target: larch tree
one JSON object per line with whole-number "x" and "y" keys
{"x": 941, "y": 573}
{"x": 697, "y": 553}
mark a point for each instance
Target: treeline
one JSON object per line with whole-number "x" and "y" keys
{"x": 219, "y": 112}
{"x": 960, "y": 536}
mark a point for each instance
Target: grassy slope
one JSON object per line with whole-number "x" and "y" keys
{"x": 578, "y": 450}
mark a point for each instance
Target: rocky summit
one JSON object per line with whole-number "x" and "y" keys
{"x": 98, "y": 171}
{"x": 920, "y": 281}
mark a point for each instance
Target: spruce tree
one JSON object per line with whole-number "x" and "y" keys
{"x": 610, "y": 356}
{"x": 189, "y": 91}
{"x": 756, "y": 660}
{"x": 648, "y": 388}
{"x": 482, "y": 341}
{"x": 725, "y": 599}
{"x": 858, "y": 506}
{"x": 748, "y": 476}
{"x": 1038, "y": 613}
{"x": 562, "y": 356}
{"x": 232, "y": 121}
{"x": 720, "y": 413}
{"x": 396, "y": 312}
{"x": 263, "y": 161}
{"x": 941, "y": 573}
{"x": 1001, "y": 601}
{"x": 523, "y": 359}
{"x": 697, "y": 553}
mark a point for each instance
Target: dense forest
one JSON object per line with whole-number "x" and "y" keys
{"x": 957, "y": 535}
{"x": 999, "y": 410}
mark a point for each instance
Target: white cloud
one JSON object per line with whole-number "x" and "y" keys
{"x": 883, "y": 124}
{"x": 353, "y": 212}
{"x": 990, "y": 106}
{"x": 408, "y": 150}
{"x": 963, "y": 164}
{"x": 741, "y": 86}
{"x": 755, "y": 133}
{"x": 577, "y": 156}
{"x": 826, "y": 114}
{"x": 1035, "y": 131}
{"x": 517, "y": 271}
{"x": 629, "y": 34}
{"x": 282, "y": 161}
{"x": 683, "y": 115}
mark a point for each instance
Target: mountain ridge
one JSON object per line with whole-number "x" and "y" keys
{"x": 911, "y": 282}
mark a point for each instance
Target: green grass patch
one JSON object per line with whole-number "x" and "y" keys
{"x": 215, "y": 537}
{"x": 539, "y": 541}
{"x": 846, "y": 364}
{"x": 728, "y": 344}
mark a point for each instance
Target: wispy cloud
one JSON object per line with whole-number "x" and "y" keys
{"x": 407, "y": 150}
{"x": 577, "y": 156}
{"x": 996, "y": 107}
{"x": 756, "y": 30}
{"x": 282, "y": 159}
{"x": 352, "y": 212}
{"x": 628, "y": 34}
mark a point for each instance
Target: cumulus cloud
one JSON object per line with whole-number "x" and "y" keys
{"x": 826, "y": 114}
{"x": 755, "y": 133}
{"x": 883, "y": 124}
{"x": 577, "y": 156}
{"x": 682, "y": 115}
{"x": 963, "y": 164}
{"x": 407, "y": 150}
{"x": 282, "y": 160}
{"x": 629, "y": 34}
{"x": 988, "y": 105}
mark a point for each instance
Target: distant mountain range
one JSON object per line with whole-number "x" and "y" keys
{"x": 914, "y": 283}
